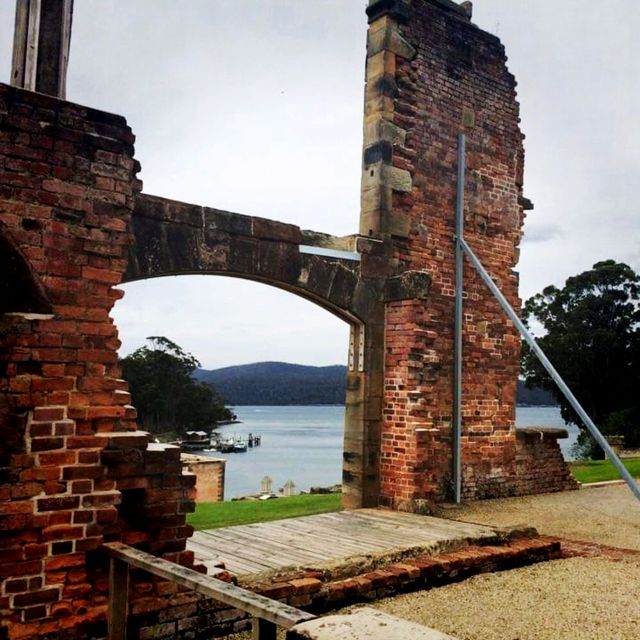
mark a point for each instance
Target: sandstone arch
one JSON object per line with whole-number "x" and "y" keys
{"x": 175, "y": 238}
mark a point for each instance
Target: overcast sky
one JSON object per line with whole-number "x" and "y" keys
{"x": 255, "y": 106}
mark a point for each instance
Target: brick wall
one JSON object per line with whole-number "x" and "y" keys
{"x": 432, "y": 75}
{"x": 319, "y": 591}
{"x": 72, "y": 467}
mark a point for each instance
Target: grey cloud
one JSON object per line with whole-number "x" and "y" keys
{"x": 541, "y": 233}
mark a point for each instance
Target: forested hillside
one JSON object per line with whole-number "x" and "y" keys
{"x": 279, "y": 383}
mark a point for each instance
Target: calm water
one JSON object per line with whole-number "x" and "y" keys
{"x": 304, "y": 444}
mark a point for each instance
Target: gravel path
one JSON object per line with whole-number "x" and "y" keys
{"x": 576, "y": 598}
{"x": 573, "y": 599}
{"x": 607, "y": 515}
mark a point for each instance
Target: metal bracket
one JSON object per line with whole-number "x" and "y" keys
{"x": 352, "y": 348}
{"x": 361, "y": 348}
{"x": 356, "y": 348}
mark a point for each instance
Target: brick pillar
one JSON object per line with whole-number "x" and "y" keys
{"x": 70, "y": 450}
{"x": 432, "y": 74}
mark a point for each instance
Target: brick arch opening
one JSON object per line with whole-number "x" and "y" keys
{"x": 175, "y": 238}
{"x": 20, "y": 291}
{"x": 335, "y": 457}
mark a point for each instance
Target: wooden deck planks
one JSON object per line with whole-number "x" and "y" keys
{"x": 327, "y": 537}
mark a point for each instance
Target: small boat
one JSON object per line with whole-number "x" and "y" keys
{"x": 227, "y": 445}
{"x": 240, "y": 445}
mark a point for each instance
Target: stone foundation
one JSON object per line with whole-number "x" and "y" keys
{"x": 319, "y": 592}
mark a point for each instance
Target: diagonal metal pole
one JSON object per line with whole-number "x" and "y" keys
{"x": 555, "y": 376}
{"x": 457, "y": 331}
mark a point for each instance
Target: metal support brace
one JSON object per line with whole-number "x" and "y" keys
{"x": 458, "y": 326}
{"x": 555, "y": 376}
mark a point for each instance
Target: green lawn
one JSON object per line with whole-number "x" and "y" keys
{"x": 600, "y": 470}
{"x": 213, "y": 515}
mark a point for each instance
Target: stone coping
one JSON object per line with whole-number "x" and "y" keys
{"x": 363, "y": 624}
{"x": 194, "y": 458}
{"x": 557, "y": 433}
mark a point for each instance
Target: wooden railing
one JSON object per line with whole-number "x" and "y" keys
{"x": 267, "y": 614}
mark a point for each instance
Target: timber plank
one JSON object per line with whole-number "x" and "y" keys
{"x": 392, "y": 535}
{"x": 273, "y": 545}
{"x": 320, "y": 538}
{"x": 331, "y": 539}
{"x": 430, "y": 523}
{"x": 263, "y": 552}
{"x": 277, "y": 542}
{"x": 355, "y": 538}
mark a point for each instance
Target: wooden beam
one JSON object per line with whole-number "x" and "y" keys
{"x": 41, "y": 45}
{"x": 256, "y": 605}
{"x": 264, "y": 630}
{"x": 19, "y": 43}
{"x": 118, "y": 599}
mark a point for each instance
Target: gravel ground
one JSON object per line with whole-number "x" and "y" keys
{"x": 577, "y": 598}
{"x": 570, "y": 599}
{"x": 607, "y": 515}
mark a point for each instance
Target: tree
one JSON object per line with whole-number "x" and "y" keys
{"x": 165, "y": 393}
{"x": 592, "y": 336}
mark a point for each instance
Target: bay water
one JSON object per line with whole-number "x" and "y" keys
{"x": 304, "y": 444}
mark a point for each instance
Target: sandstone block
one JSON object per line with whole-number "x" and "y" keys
{"x": 363, "y": 624}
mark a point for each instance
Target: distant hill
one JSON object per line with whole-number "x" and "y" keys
{"x": 279, "y": 383}
{"x": 535, "y": 397}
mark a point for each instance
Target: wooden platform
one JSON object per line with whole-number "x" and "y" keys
{"x": 328, "y": 539}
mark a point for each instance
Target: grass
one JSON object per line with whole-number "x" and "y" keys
{"x": 601, "y": 470}
{"x": 213, "y": 515}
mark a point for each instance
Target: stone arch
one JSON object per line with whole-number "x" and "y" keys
{"x": 174, "y": 238}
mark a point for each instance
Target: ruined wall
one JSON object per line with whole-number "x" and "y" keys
{"x": 74, "y": 471}
{"x": 209, "y": 473}
{"x": 72, "y": 466}
{"x": 432, "y": 75}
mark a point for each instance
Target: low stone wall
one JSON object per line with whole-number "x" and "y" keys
{"x": 540, "y": 465}
{"x": 535, "y": 464}
{"x": 318, "y": 591}
{"x": 209, "y": 473}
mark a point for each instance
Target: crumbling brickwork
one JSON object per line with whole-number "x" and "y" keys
{"x": 74, "y": 469}
{"x": 71, "y": 461}
{"x": 432, "y": 75}
{"x": 209, "y": 473}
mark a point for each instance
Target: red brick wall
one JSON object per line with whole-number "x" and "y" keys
{"x": 67, "y": 187}
{"x": 432, "y": 76}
